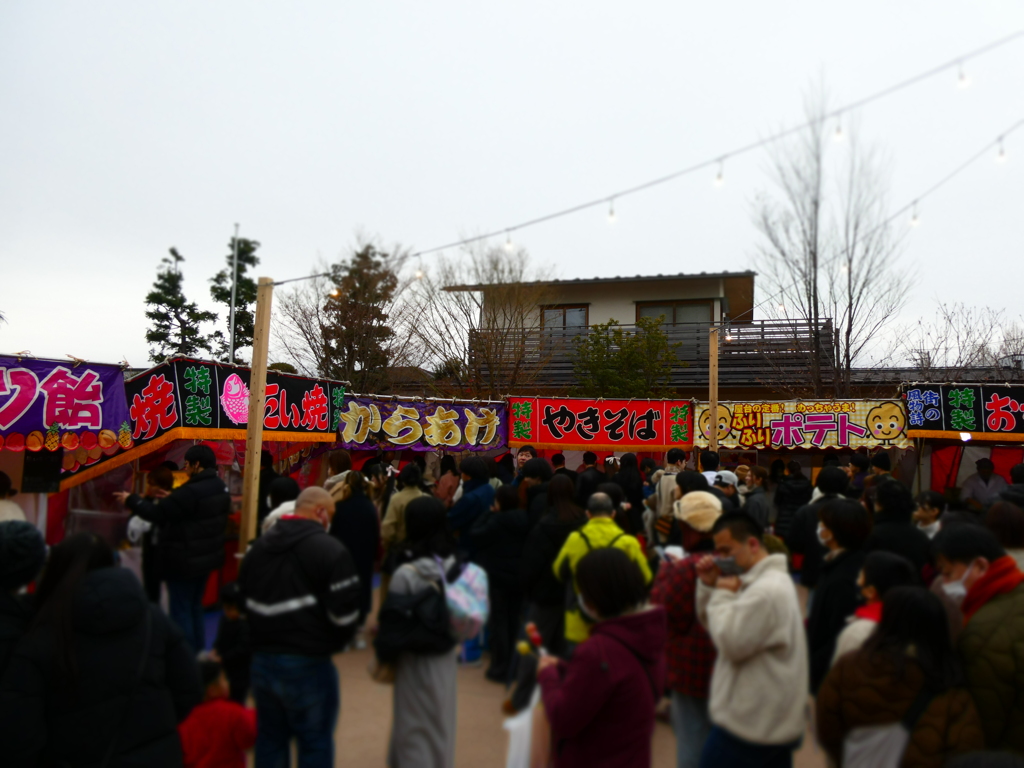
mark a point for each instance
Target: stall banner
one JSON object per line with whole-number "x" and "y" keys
{"x": 981, "y": 411}
{"x": 430, "y": 425}
{"x": 605, "y": 425}
{"x": 53, "y": 405}
{"x": 806, "y": 424}
{"x": 203, "y": 395}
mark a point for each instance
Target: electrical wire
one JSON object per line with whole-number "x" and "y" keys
{"x": 720, "y": 158}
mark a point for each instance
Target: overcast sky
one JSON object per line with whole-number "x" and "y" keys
{"x": 127, "y": 128}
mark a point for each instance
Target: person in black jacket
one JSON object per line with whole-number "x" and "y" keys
{"x": 499, "y": 537}
{"x": 631, "y": 481}
{"x": 267, "y": 476}
{"x": 894, "y": 529}
{"x": 102, "y": 677}
{"x": 22, "y": 554}
{"x": 802, "y": 540}
{"x": 533, "y": 489}
{"x": 191, "y": 520}
{"x": 558, "y": 464}
{"x": 589, "y": 478}
{"x": 357, "y": 526}
{"x": 302, "y": 595}
{"x": 843, "y": 527}
{"x": 477, "y": 498}
{"x": 232, "y": 647}
{"x": 793, "y": 492}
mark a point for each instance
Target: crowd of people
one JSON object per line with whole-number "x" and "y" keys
{"x": 618, "y": 592}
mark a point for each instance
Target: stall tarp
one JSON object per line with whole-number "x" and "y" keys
{"x": 948, "y": 411}
{"x": 424, "y": 425}
{"x": 53, "y": 405}
{"x": 601, "y": 425}
{"x": 815, "y": 424}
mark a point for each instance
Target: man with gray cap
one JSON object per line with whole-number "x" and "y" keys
{"x": 725, "y": 487}
{"x": 22, "y": 555}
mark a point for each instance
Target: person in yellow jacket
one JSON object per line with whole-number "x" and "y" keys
{"x": 599, "y": 532}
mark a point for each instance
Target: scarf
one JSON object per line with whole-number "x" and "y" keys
{"x": 1002, "y": 576}
{"x": 871, "y": 612}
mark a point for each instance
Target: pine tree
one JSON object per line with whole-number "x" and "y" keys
{"x": 175, "y": 329}
{"x": 245, "y": 296}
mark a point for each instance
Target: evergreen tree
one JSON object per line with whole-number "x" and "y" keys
{"x": 620, "y": 362}
{"x": 245, "y": 295}
{"x": 175, "y": 328}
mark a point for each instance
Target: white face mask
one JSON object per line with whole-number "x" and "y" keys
{"x": 587, "y": 614}
{"x": 957, "y": 590}
{"x": 824, "y": 541}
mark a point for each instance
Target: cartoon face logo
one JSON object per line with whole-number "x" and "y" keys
{"x": 886, "y": 422}
{"x": 724, "y": 422}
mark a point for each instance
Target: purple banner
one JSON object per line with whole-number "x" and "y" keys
{"x": 48, "y": 404}
{"x": 367, "y": 423}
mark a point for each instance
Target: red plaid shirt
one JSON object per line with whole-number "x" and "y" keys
{"x": 691, "y": 654}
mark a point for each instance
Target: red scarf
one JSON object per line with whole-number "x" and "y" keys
{"x": 1001, "y": 577}
{"x": 871, "y": 612}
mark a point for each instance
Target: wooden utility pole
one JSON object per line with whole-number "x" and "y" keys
{"x": 254, "y": 426}
{"x": 713, "y": 389}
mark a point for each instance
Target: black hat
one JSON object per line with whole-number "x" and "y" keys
{"x": 882, "y": 461}
{"x": 538, "y": 469}
{"x": 22, "y": 554}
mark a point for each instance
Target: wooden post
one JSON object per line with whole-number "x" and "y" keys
{"x": 254, "y": 426}
{"x": 713, "y": 389}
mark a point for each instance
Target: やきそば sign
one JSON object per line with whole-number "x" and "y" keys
{"x": 607, "y": 425}
{"x": 948, "y": 411}
{"x": 430, "y": 425}
{"x": 806, "y": 424}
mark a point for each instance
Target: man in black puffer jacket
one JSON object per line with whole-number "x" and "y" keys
{"x": 22, "y": 555}
{"x": 191, "y": 521}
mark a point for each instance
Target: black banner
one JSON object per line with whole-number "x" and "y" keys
{"x": 975, "y": 409}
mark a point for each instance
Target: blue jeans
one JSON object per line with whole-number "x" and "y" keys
{"x": 296, "y": 697}
{"x": 690, "y": 724}
{"x": 724, "y": 749}
{"x": 185, "y": 603}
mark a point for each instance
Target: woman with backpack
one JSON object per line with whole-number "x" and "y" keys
{"x": 901, "y": 691}
{"x": 423, "y": 726}
{"x": 102, "y": 677}
{"x": 600, "y": 704}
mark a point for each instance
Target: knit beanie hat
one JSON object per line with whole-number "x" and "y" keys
{"x": 699, "y": 510}
{"x": 22, "y": 554}
{"x": 882, "y": 461}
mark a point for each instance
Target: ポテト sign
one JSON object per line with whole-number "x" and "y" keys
{"x": 949, "y": 411}
{"x": 806, "y": 424}
{"x": 607, "y": 425}
{"x": 428, "y": 425}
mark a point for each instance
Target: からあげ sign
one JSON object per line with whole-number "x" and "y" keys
{"x": 981, "y": 411}
{"x": 76, "y": 407}
{"x": 606, "y": 425}
{"x": 806, "y": 424}
{"x": 429, "y": 425}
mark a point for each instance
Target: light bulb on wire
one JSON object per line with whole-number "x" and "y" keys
{"x": 914, "y": 220}
{"x": 508, "y": 242}
{"x": 720, "y": 178}
{"x": 962, "y": 80}
{"x": 1001, "y": 157}
{"x": 838, "y": 135}
{"x": 419, "y": 274}
{"x": 611, "y": 211}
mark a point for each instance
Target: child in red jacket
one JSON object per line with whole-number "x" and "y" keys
{"x": 217, "y": 733}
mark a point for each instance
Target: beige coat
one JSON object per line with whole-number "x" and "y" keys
{"x": 392, "y": 530}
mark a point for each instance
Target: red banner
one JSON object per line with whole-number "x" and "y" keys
{"x": 601, "y": 425}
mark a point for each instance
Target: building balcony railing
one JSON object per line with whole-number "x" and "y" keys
{"x": 751, "y": 352}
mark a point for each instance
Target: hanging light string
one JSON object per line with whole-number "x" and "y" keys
{"x": 719, "y": 160}
{"x": 911, "y": 206}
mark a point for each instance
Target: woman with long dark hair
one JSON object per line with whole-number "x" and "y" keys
{"x": 631, "y": 481}
{"x": 423, "y": 729}
{"x": 908, "y": 662}
{"x": 102, "y": 677}
{"x": 356, "y": 525}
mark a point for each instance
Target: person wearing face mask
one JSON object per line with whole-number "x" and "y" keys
{"x": 803, "y": 543}
{"x": 759, "y": 685}
{"x": 302, "y": 597}
{"x": 843, "y": 527}
{"x": 977, "y": 572}
{"x": 882, "y": 571}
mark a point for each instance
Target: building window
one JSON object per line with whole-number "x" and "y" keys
{"x": 564, "y": 316}
{"x": 676, "y": 312}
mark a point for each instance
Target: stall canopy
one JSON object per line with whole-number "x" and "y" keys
{"x": 813, "y": 424}
{"x": 601, "y": 425}
{"x": 966, "y": 411}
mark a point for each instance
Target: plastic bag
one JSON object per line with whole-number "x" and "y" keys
{"x": 520, "y": 734}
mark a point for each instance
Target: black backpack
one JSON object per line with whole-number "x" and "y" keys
{"x": 571, "y": 598}
{"x": 416, "y": 623}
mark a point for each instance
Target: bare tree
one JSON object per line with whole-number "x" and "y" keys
{"x": 353, "y": 323}
{"x": 477, "y": 317}
{"x": 829, "y": 255}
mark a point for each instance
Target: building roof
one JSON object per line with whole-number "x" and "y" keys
{"x": 616, "y": 279}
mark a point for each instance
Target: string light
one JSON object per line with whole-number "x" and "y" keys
{"x": 914, "y": 220}
{"x": 1001, "y": 157}
{"x": 419, "y": 274}
{"x": 838, "y": 135}
{"x": 962, "y": 80}
{"x": 720, "y": 178}
{"x": 336, "y": 293}
{"x": 611, "y": 211}
{"x": 782, "y": 307}
{"x": 508, "y": 242}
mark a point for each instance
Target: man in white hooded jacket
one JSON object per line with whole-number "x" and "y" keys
{"x": 748, "y": 604}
